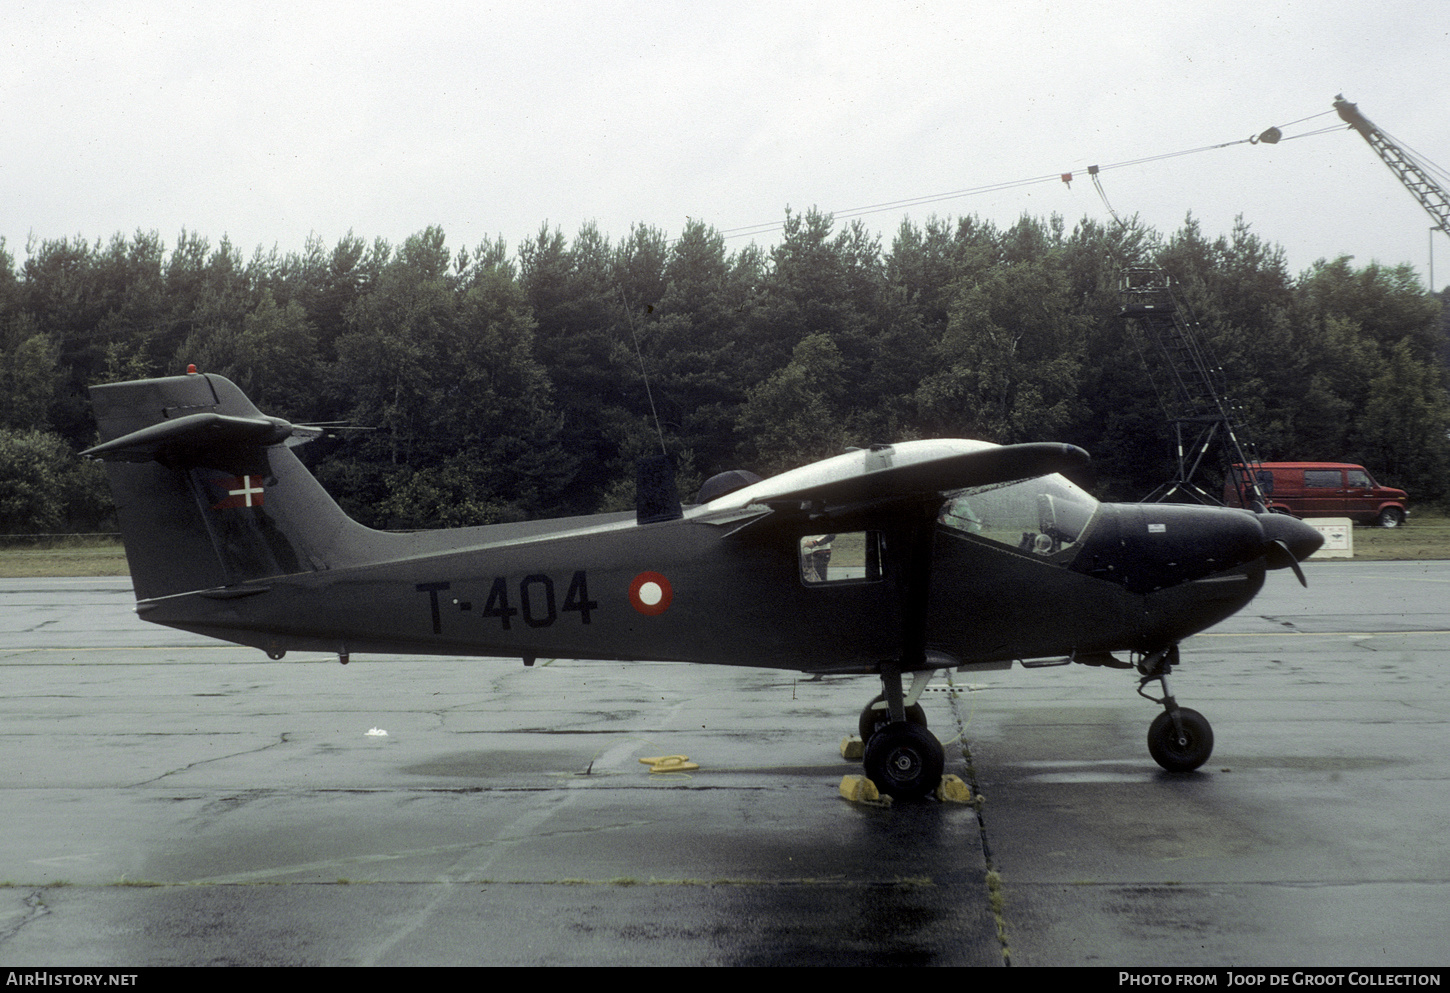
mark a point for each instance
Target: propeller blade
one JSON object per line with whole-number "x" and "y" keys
{"x": 1280, "y": 557}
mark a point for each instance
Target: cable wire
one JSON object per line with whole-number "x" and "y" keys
{"x": 764, "y": 228}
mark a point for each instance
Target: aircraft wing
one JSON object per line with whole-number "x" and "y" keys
{"x": 907, "y": 469}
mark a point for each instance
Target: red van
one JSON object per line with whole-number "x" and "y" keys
{"x": 1323, "y": 489}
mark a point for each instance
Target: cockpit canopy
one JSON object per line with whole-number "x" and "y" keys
{"x": 1045, "y": 517}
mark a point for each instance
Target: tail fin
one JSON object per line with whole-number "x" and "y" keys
{"x": 207, "y": 490}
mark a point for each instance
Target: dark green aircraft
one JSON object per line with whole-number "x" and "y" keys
{"x": 898, "y": 560}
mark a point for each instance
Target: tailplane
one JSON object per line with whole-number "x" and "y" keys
{"x": 208, "y": 491}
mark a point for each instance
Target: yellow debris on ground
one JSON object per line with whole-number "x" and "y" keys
{"x": 670, "y": 763}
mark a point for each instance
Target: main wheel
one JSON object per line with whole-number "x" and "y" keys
{"x": 904, "y": 761}
{"x": 1390, "y": 517}
{"x": 873, "y": 720}
{"x": 1180, "y": 753}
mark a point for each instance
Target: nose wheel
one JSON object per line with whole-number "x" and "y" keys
{"x": 1179, "y": 739}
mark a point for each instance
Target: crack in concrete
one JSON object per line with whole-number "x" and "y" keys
{"x": 35, "y": 909}
{"x": 282, "y": 739}
{"x": 995, "y": 897}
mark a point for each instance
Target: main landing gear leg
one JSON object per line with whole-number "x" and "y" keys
{"x": 903, "y": 758}
{"x": 1179, "y": 739}
{"x": 877, "y": 714}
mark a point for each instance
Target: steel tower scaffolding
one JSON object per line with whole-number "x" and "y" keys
{"x": 1192, "y": 388}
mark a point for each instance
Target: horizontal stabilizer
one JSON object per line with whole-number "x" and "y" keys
{"x": 186, "y": 437}
{"x": 909, "y": 469}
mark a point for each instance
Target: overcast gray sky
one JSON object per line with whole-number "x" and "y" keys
{"x": 269, "y": 122}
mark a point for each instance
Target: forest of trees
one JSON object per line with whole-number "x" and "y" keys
{"x": 506, "y": 385}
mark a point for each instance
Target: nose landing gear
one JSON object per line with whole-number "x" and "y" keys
{"x": 1179, "y": 739}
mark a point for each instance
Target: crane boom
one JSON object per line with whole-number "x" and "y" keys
{"x": 1432, "y": 195}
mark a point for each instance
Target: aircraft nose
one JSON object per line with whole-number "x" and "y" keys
{"x": 1298, "y": 538}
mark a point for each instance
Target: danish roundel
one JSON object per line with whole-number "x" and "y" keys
{"x": 650, "y": 593}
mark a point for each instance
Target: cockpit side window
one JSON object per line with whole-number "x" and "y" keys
{"x": 853, "y": 557}
{"x": 1042, "y": 517}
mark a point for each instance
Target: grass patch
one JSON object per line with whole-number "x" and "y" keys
{"x": 1426, "y": 536}
{"x": 66, "y": 555}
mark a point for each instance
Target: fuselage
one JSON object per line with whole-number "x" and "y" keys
{"x": 1030, "y": 570}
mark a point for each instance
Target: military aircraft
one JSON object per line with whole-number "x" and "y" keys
{"x": 896, "y": 560}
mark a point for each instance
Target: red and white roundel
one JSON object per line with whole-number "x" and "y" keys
{"x": 650, "y": 593}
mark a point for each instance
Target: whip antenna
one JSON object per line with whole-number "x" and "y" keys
{"x": 629, "y": 316}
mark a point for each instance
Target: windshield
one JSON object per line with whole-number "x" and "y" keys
{"x": 1045, "y": 516}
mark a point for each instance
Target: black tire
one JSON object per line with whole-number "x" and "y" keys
{"x": 905, "y": 761}
{"x": 1187, "y": 753}
{"x": 874, "y": 720}
{"x": 1390, "y": 517}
